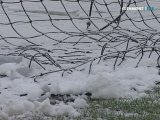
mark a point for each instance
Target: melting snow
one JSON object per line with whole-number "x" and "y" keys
{"x": 20, "y": 94}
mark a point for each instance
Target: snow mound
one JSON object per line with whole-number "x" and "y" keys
{"x": 10, "y": 59}
{"x": 61, "y": 109}
{"x": 80, "y": 103}
{"x": 104, "y": 87}
{"x": 20, "y": 94}
{"x": 18, "y": 107}
{"x": 107, "y": 83}
{"x": 3, "y": 116}
{"x": 15, "y": 70}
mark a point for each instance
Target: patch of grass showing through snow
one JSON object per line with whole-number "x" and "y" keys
{"x": 146, "y": 108}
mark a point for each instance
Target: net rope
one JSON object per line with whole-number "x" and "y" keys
{"x": 67, "y": 35}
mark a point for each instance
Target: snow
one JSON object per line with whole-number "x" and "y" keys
{"x": 10, "y": 59}
{"x": 3, "y": 116}
{"x": 80, "y": 103}
{"x": 103, "y": 82}
{"x": 61, "y": 109}
{"x": 20, "y": 93}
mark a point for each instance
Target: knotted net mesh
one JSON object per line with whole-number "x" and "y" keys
{"x": 67, "y": 35}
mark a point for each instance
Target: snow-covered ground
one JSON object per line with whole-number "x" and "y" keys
{"x": 24, "y": 91}
{"x": 21, "y": 94}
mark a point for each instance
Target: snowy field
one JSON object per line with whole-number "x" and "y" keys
{"x": 46, "y": 49}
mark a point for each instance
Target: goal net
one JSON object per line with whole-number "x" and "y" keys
{"x": 66, "y": 35}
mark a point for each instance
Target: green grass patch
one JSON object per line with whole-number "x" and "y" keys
{"x": 146, "y": 108}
